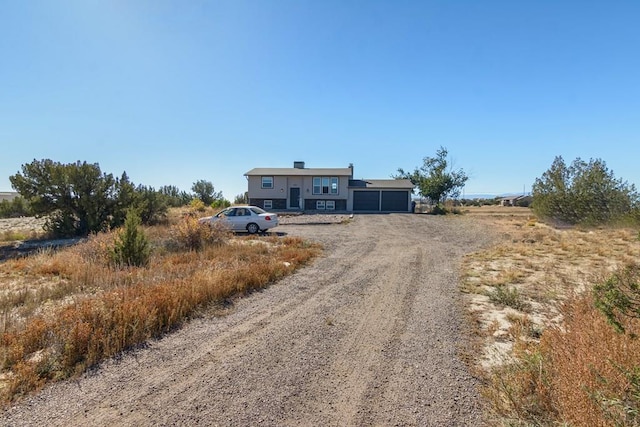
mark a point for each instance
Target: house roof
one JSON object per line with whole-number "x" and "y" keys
{"x": 514, "y": 197}
{"x": 300, "y": 172}
{"x": 381, "y": 183}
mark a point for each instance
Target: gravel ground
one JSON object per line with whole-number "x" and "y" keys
{"x": 369, "y": 334}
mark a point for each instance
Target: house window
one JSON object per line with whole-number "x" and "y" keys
{"x": 267, "y": 182}
{"x": 325, "y": 185}
{"x": 331, "y": 205}
{"x": 320, "y": 204}
{"x": 268, "y": 204}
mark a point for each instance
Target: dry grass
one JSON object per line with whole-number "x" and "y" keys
{"x": 64, "y": 311}
{"x": 594, "y": 371}
{"x": 564, "y": 364}
{"x": 13, "y": 235}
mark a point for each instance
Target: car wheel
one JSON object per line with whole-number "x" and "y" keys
{"x": 253, "y": 228}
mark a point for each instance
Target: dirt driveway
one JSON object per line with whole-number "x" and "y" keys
{"x": 367, "y": 335}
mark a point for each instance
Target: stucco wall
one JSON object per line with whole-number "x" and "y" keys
{"x": 282, "y": 184}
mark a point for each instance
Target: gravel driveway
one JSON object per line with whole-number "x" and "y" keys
{"x": 368, "y": 334}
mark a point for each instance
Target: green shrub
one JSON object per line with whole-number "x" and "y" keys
{"x": 220, "y": 204}
{"x": 583, "y": 193}
{"x": 131, "y": 246}
{"x": 618, "y": 297}
{"x": 174, "y": 197}
{"x": 79, "y": 199}
{"x": 15, "y": 208}
{"x": 151, "y": 204}
{"x": 508, "y": 296}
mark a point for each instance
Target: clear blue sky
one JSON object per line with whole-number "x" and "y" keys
{"x": 177, "y": 91}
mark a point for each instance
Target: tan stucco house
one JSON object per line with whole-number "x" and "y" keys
{"x": 325, "y": 189}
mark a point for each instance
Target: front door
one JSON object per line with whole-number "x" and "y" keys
{"x": 294, "y": 198}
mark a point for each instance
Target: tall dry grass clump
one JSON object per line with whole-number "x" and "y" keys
{"x": 581, "y": 373}
{"x": 101, "y": 309}
{"x": 520, "y": 391}
{"x": 594, "y": 369}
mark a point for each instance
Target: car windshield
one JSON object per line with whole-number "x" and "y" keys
{"x": 227, "y": 212}
{"x": 258, "y": 211}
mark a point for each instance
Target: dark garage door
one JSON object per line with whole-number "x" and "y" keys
{"x": 366, "y": 200}
{"x": 395, "y": 201}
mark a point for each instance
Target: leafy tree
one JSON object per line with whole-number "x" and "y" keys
{"x": 125, "y": 198}
{"x": 150, "y": 204}
{"x": 241, "y": 199}
{"x": 220, "y": 203}
{"x": 582, "y": 193}
{"x": 77, "y": 197}
{"x": 435, "y": 180}
{"x": 205, "y": 191}
{"x": 174, "y": 197}
{"x": 131, "y": 247}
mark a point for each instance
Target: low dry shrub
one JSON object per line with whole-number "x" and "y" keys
{"x": 582, "y": 373}
{"x": 520, "y": 391}
{"x": 96, "y": 249}
{"x": 24, "y": 380}
{"x": 192, "y": 235}
{"x": 139, "y": 303}
{"x": 197, "y": 205}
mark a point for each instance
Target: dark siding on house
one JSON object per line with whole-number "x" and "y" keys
{"x": 278, "y": 204}
{"x": 310, "y": 204}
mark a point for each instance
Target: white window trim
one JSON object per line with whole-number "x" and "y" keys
{"x": 330, "y": 187}
{"x": 330, "y": 205}
{"x": 320, "y": 205}
{"x": 267, "y": 204}
{"x": 262, "y": 182}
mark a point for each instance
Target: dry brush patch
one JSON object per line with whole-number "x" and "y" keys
{"x": 63, "y": 311}
{"x": 549, "y": 355}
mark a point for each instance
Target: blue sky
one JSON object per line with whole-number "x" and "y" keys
{"x": 177, "y": 91}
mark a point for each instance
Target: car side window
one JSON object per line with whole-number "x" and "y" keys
{"x": 231, "y": 212}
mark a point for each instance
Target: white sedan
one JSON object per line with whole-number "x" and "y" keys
{"x": 244, "y": 218}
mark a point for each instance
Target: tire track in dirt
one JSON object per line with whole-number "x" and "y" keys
{"x": 366, "y": 335}
{"x": 238, "y": 339}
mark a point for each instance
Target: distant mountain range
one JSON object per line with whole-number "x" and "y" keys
{"x": 484, "y": 196}
{"x": 492, "y": 196}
